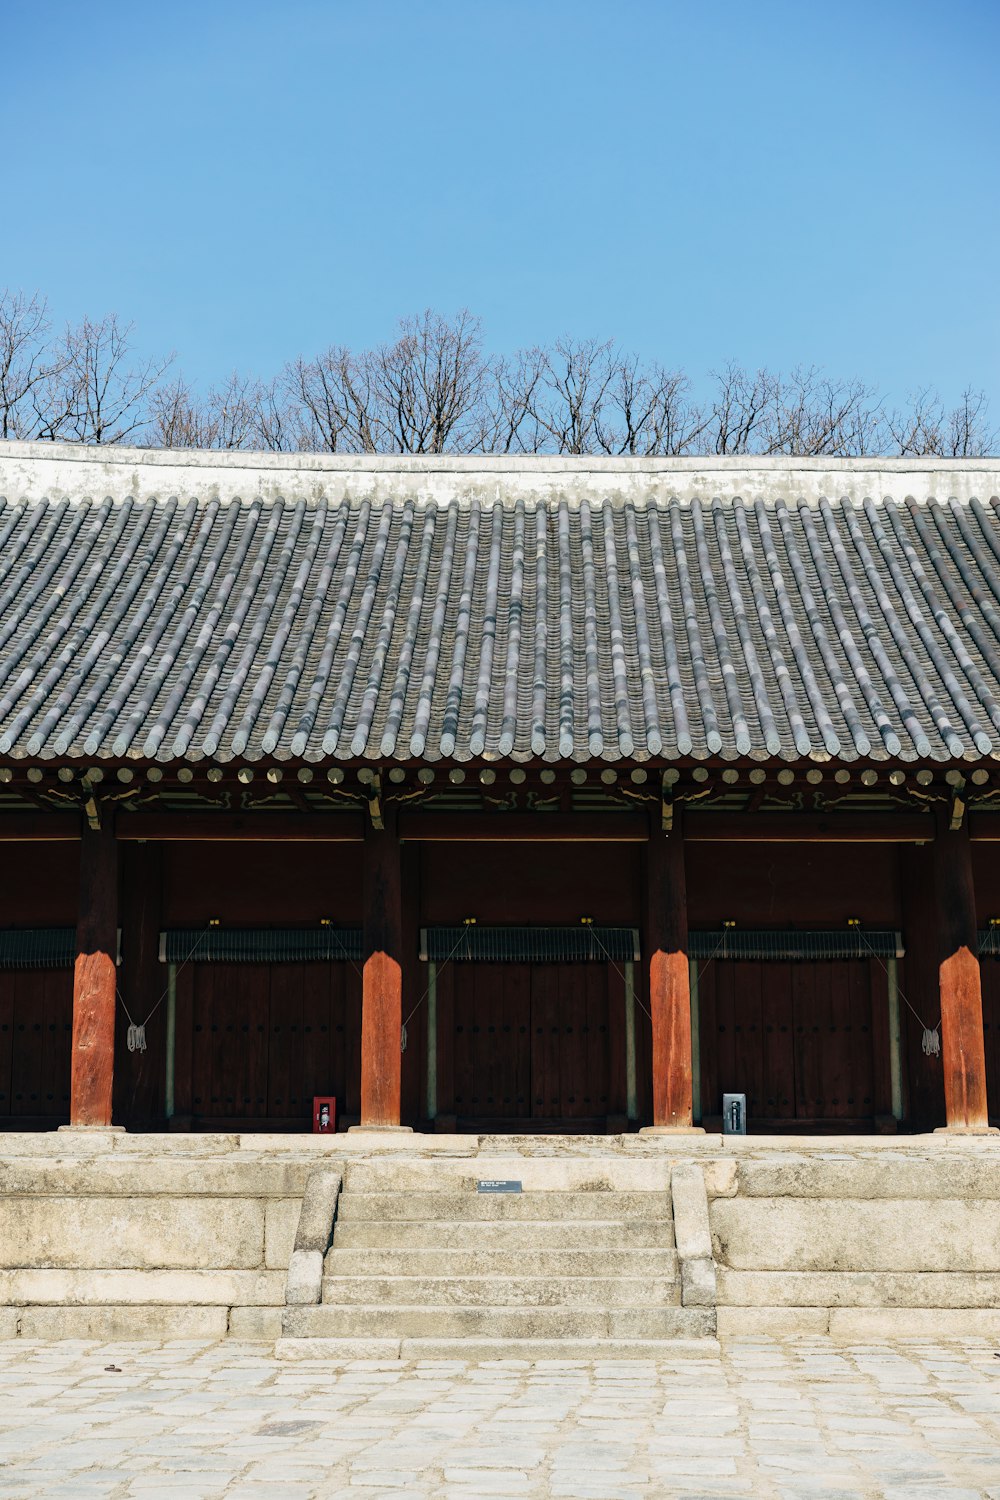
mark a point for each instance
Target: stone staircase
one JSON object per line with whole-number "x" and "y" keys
{"x": 423, "y": 1265}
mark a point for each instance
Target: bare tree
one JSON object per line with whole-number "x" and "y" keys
{"x": 808, "y": 415}
{"x": 98, "y": 391}
{"x": 176, "y": 420}
{"x": 429, "y": 385}
{"x": 738, "y": 409}
{"x": 570, "y": 395}
{"x": 335, "y": 399}
{"x": 507, "y": 423}
{"x": 241, "y": 413}
{"x": 650, "y": 412}
{"x": 927, "y": 429}
{"x": 423, "y": 393}
{"x": 433, "y": 389}
{"x": 278, "y": 422}
{"x": 28, "y": 363}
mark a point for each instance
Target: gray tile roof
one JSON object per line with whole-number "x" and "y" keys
{"x": 362, "y": 611}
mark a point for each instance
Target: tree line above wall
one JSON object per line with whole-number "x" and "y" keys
{"x": 436, "y": 389}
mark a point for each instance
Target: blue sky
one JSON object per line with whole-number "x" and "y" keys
{"x": 770, "y": 182}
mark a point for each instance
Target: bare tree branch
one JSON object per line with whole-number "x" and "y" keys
{"x": 97, "y": 393}
{"x": 28, "y": 364}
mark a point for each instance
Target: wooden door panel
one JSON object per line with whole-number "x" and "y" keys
{"x": 865, "y": 980}
{"x": 526, "y": 1040}
{"x": 8, "y": 983}
{"x": 545, "y": 1051}
{"x": 797, "y": 1038}
{"x": 257, "y": 1041}
{"x": 38, "y": 1012}
{"x": 347, "y": 1031}
{"x": 286, "y": 1050}
{"x": 990, "y": 968}
{"x": 517, "y": 997}
{"x": 811, "y": 999}
{"x": 605, "y": 1086}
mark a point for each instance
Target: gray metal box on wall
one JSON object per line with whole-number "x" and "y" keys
{"x": 734, "y": 1114}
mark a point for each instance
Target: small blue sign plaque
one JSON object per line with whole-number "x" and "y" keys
{"x": 497, "y": 1185}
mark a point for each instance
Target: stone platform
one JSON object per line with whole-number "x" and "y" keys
{"x": 378, "y": 1244}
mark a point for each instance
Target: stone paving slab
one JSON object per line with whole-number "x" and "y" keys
{"x": 792, "y": 1419}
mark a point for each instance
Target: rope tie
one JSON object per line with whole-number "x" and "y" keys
{"x": 135, "y": 1037}
{"x": 930, "y": 1041}
{"x": 588, "y": 922}
{"x": 463, "y": 938}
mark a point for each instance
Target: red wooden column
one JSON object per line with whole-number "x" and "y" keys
{"x": 382, "y": 978}
{"x": 666, "y": 942}
{"x": 94, "y": 981}
{"x": 963, "y": 1054}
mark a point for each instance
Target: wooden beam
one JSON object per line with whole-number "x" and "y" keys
{"x": 94, "y": 980}
{"x": 522, "y": 828}
{"x": 382, "y": 978}
{"x": 596, "y": 828}
{"x": 39, "y": 828}
{"x": 963, "y": 1052}
{"x": 702, "y": 827}
{"x": 666, "y": 942}
{"x": 809, "y": 828}
{"x": 984, "y": 828}
{"x": 263, "y": 827}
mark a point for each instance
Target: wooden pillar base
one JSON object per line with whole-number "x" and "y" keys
{"x": 967, "y": 1130}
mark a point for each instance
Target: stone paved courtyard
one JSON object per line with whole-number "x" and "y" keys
{"x": 800, "y": 1418}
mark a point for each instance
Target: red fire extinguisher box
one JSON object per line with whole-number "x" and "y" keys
{"x": 324, "y": 1115}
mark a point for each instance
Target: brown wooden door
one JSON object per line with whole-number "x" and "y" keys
{"x": 991, "y": 1033}
{"x": 36, "y": 1029}
{"x": 531, "y": 1041}
{"x": 804, "y": 1041}
{"x": 571, "y": 1054}
{"x": 256, "y": 1042}
{"x": 491, "y": 1016}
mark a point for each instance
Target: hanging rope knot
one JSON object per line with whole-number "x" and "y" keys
{"x": 931, "y": 1042}
{"x": 135, "y": 1037}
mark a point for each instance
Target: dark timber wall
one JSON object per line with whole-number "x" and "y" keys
{"x": 285, "y": 1031}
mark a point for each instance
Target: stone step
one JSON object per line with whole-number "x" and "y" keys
{"x": 500, "y": 1291}
{"x": 604, "y": 1207}
{"x": 499, "y": 1261}
{"x": 328, "y": 1321}
{"x": 525, "y": 1234}
{"x": 586, "y": 1350}
{"x": 535, "y": 1173}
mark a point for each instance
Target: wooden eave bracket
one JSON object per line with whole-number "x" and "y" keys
{"x": 666, "y": 806}
{"x": 957, "y": 812}
{"x": 91, "y": 807}
{"x": 375, "y": 801}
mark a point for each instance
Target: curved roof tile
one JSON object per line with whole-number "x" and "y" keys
{"x": 359, "y": 611}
